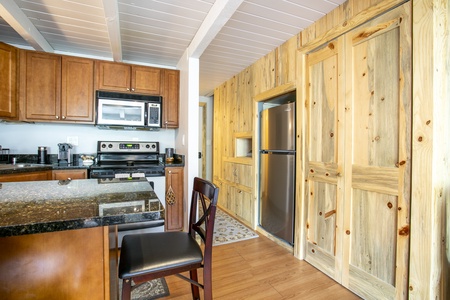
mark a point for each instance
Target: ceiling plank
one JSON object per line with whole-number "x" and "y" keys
{"x": 112, "y": 22}
{"x": 14, "y": 16}
{"x": 218, "y": 16}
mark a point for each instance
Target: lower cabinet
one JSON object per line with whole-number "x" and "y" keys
{"x": 71, "y": 264}
{"x": 174, "y": 199}
{"x": 27, "y": 176}
{"x": 69, "y": 174}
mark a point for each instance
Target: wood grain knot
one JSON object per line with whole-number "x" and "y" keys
{"x": 389, "y": 205}
{"x": 428, "y": 122}
{"x": 330, "y": 213}
{"x": 404, "y": 231}
{"x": 420, "y": 139}
{"x": 347, "y": 232}
{"x": 311, "y": 170}
{"x": 331, "y": 134}
{"x": 331, "y": 46}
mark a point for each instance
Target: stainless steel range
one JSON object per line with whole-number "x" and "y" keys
{"x": 127, "y": 160}
{"x": 123, "y": 160}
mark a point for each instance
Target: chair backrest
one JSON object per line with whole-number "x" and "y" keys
{"x": 204, "y": 200}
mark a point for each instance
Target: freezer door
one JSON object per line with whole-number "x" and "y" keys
{"x": 278, "y": 128}
{"x": 277, "y": 194}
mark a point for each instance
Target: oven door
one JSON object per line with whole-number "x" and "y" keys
{"x": 118, "y": 112}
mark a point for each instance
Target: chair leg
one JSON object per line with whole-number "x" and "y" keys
{"x": 194, "y": 288}
{"x": 207, "y": 284}
{"x": 126, "y": 289}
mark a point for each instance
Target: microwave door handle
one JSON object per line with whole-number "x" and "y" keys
{"x": 146, "y": 114}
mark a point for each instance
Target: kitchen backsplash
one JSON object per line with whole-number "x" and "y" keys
{"x": 23, "y": 138}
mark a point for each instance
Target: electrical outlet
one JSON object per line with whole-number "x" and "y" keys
{"x": 73, "y": 140}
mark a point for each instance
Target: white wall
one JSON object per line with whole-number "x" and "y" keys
{"x": 209, "y": 136}
{"x": 24, "y": 138}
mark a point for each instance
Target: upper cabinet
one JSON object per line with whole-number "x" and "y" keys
{"x": 120, "y": 77}
{"x": 43, "y": 87}
{"x": 56, "y": 88}
{"x": 171, "y": 98}
{"x": 8, "y": 82}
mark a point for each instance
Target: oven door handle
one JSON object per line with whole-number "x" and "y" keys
{"x": 140, "y": 225}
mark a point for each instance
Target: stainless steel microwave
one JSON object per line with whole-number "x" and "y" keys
{"x": 128, "y": 111}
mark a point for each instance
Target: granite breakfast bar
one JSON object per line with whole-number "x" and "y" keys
{"x": 59, "y": 240}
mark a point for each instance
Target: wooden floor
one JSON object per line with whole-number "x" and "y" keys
{"x": 261, "y": 269}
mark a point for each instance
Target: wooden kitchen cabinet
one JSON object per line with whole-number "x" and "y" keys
{"x": 27, "y": 176}
{"x": 171, "y": 99}
{"x": 111, "y": 76}
{"x": 238, "y": 181}
{"x": 174, "y": 199}
{"x": 56, "y": 88}
{"x": 9, "y": 56}
{"x": 77, "y": 89}
{"x": 69, "y": 174}
{"x": 70, "y": 264}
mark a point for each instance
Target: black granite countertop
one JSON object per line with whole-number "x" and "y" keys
{"x": 46, "y": 206}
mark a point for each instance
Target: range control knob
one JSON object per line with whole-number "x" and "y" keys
{"x": 103, "y": 145}
{"x": 147, "y": 146}
{"x": 110, "y": 146}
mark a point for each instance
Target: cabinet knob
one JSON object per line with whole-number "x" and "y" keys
{"x": 63, "y": 117}
{"x": 57, "y": 117}
{"x": 132, "y": 89}
{"x": 128, "y": 89}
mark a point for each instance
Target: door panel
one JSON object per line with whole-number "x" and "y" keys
{"x": 378, "y": 151}
{"x": 323, "y": 189}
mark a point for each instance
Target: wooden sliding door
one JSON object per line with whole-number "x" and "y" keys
{"x": 358, "y": 156}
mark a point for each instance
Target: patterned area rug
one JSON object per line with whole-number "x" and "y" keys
{"x": 147, "y": 291}
{"x": 229, "y": 230}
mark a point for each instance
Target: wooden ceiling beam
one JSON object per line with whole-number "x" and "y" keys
{"x": 111, "y": 9}
{"x": 218, "y": 16}
{"x": 15, "y": 17}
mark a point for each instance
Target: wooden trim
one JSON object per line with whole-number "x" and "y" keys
{"x": 347, "y": 24}
{"x": 276, "y": 91}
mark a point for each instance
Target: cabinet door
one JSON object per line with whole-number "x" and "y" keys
{"x": 171, "y": 98}
{"x": 42, "y": 86}
{"x": 146, "y": 80}
{"x": 112, "y": 76}
{"x": 8, "y": 81}
{"x": 174, "y": 199}
{"x": 28, "y": 176}
{"x": 77, "y": 98}
{"x": 69, "y": 174}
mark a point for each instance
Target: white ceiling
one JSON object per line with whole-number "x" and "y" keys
{"x": 227, "y": 35}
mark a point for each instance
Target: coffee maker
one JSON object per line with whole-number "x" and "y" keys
{"x": 64, "y": 156}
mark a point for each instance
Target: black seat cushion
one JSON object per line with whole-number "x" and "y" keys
{"x": 157, "y": 251}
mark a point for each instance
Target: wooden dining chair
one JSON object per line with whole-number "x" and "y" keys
{"x": 144, "y": 257}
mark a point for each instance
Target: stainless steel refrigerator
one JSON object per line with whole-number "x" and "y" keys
{"x": 277, "y": 163}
